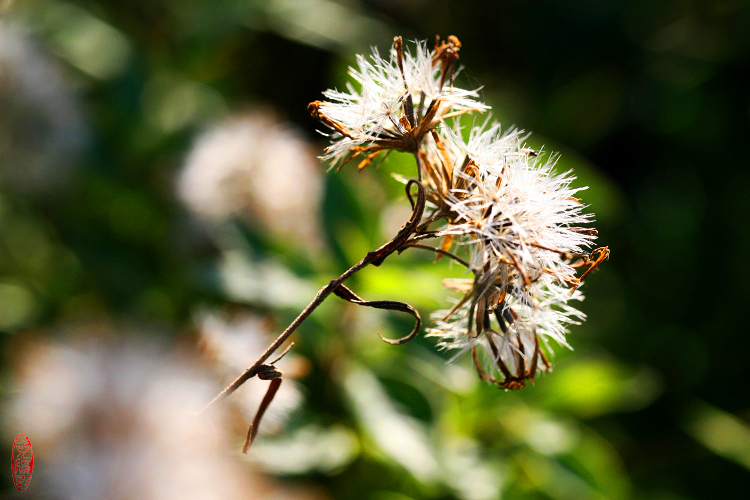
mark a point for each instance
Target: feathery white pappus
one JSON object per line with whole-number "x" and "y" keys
{"x": 395, "y": 101}
{"x": 520, "y": 222}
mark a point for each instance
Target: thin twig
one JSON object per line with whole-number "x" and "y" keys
{"x": 278, "y": 358}
{"x": 426, "y": 235}
{"x": 319, "y": 298}
{"x": 437, "y": 250}
{"x": 375, "y": 258}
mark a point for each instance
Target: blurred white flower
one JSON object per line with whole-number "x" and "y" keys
{"x": 233, "y": 345}
{"x": 118, "y": 419}
{"x": 42, "y": 130}
{"x": 259, "y": 169}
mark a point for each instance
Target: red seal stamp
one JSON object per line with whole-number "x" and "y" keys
{"x": 22, "y": 462}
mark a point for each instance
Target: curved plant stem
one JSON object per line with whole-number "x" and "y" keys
{"x": 319, "y": 298}
{"x": 375, "y": 258}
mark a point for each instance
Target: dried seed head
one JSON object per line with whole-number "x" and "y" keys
{"x": 396, "y": 103}
{"x": 520, "y": 221}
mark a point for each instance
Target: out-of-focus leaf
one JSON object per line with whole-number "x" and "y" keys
{"x": 17, "y": 305}
{"x": 597, "y": 460}
{"x": 540, "y": 431}
{"x": 436, "y": 371}
{"x": 395, "y": 434}
{"x": 320, "y": 23}
{"x": 591, "y": 387}
{"x": 421, "y": 286}
{"x": 308, "y": 449}
{"x": 83, "y": 39}
{"x": 719, "y": 431}
{"x": 472, "y": 475}
{"x": 172, "y": 102}
{"x": 266, "y": 282}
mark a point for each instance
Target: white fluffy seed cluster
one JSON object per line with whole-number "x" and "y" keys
{"x": 374, "y": 110}
{"x": 517, "y": 221}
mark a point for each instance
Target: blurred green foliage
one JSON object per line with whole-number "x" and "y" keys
{"x": 646, "y": 101}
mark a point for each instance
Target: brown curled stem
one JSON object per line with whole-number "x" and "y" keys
{"x": 390, "y": 305}
{"x": 378, "y": 256}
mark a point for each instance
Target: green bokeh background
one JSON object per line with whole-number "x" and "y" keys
{"x": 647, "y": 102}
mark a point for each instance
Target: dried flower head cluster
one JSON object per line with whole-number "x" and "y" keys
{"x": 483, "y": 194}
{"x": 519, "y": 223}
